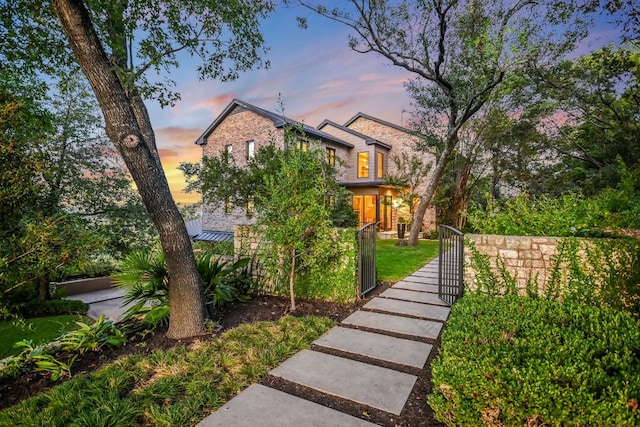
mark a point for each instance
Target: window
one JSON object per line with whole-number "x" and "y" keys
{"x": 379, "y": 165}
{"x": 331, "y": 156}
{"x": 301, "y": 144}
{"x": 330, "y": 201}
{"x": 363, "y": 165}
{"x": 227, "y": 205}
{"x": 250, "y": 150}
{"x": 229, "y": 149}
{"x": 251, "y": 207}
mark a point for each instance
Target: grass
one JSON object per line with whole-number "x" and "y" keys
{"x": 397, "y": 262}
{"x": 180, "y": 386}
{"x": 40, "y": 329}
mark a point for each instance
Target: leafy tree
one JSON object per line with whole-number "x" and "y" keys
{"x": 411, "y": 172}
{"x": 462, "y": 55}
{"x": 596, "y": 99}
{"x": 293, "y": 214}
{"x": 117, "y": 45}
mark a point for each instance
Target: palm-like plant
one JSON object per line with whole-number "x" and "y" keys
{"x": 144, "y": 276}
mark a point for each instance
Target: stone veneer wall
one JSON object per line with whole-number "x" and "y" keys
{"x": 524, "y": 256}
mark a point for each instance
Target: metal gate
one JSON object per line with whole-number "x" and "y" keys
{"x": 450, "y": 263}
{"x": 366, "y": 259}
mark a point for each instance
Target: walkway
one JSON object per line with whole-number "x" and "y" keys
{"x": 395, "y": 328}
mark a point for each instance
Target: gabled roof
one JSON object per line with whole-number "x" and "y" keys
{"x": 367, "y": 139}
{"x": 277, "y": 119}
{"x": 375, "y": 119}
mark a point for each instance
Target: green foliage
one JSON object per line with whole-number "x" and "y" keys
{"x": 517, "y": 361}
{"x": 180, "y": 386}
{"x": 219, "y": 279}
{"x": 218, "y": 248}
{"x": 601, "y": 273}
{"x": 52, "y": 307}
{"x": 40, "y": 359}
{"x": 92, "y": 337}
{"x": 393, "y": 262}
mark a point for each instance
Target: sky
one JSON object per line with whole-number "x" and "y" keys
{"x": 313, "y": 71}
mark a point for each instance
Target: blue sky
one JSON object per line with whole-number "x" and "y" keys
{"x": 316, "y": 74}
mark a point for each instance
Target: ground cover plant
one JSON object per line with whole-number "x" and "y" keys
{"x": 396, "y": 262}
{"x": 39, "y": 330}
{"x": 179, "y": 386}
{"x": 516, "y": 360}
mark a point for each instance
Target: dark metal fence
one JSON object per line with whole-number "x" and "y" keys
{"x": 451, "y": 264}
{"x": 366, "y": 259}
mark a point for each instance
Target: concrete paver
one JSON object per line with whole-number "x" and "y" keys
{"x": 371, "y": 385}
{"x": 413, "y": 286}
{"x": 416, "y": 279}
{"x": 262, "y": 406}
{"x": 415, "y": 296}
{"x": 377, "y": 346}
{"x": 395, "y": 324}
{"x": 423, "y": 311}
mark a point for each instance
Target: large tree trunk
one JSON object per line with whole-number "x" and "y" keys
{"x": 129, "y": 128}
{"x": 427, "y": 196}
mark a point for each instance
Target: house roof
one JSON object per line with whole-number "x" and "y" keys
{"x": 367, "y": 139}
{"x": 277, "y": 119}
{"x": 375, "y": 119}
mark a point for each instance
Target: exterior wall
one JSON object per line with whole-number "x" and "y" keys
{"x": 236, "y": 129}
{"x": 524, "y": 256}
{"x": 351, "y": 158}
{"x": 401, "y": 142}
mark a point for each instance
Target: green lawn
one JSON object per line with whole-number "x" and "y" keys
{"x": 396, "y": 262}
{"x": 41, "y": 330}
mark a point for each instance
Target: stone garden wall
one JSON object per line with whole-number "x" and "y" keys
{"x": 525, "y": 257}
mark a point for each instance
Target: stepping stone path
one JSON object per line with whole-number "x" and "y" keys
{"x": 395, "y": 329}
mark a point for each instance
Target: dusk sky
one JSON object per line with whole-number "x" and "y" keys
{"x": 317, "y": 75}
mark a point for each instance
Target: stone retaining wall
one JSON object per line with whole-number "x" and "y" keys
{"x": 524, "y": 257}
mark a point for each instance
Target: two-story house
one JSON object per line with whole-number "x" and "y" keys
{"x": 366, "y": 145}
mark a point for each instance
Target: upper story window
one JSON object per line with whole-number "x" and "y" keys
{"x": 331, "y": 156}
{"x": 251, "y": 153}
{"x": 363, "y": 165}
{"x": 229, "y": 149}
{"x": 227, "y": 205}
{"x": 379, "y": 165}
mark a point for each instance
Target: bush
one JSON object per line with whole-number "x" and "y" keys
{"x": 52, "y": 307}
{"x": 517, "y": 361}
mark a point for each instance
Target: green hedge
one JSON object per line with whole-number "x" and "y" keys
{"x": 52, "y": 307}
{"x": 518, "y": 361}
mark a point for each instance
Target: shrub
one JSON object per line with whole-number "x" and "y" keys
{"x": 517, "y": 361}
{"x": 52, "y": 307}
{"x": 92, "y": 337}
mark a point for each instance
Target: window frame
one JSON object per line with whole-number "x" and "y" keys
{"x": 360, "y": 167}
{"x": 251, "y": 149}
{"x": 379, "y": 165}
{"x": 330, "y": 155}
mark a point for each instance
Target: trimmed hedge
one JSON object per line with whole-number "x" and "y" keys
{"x": 518, "y": 361}
{"x": 52, "y": 307}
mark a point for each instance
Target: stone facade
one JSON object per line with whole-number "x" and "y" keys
{"x": 524, "y": 257}
{"x": 242, "y": 123}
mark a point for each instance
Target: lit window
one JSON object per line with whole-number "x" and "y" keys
{"x": 229, "y": 149}
{"x": 301, "y": 144}
{"x": 331, "y": 156}
{"x": 251, "y": 207}
{"x": 380, "y": 165}
{"x": 227, "y": 206}
{"x": 250, "y": 150}
{"x": 363, "y": 165}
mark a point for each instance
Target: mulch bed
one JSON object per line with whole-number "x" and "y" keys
{"x": 263, "y": 308}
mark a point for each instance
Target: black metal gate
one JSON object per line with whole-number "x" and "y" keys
{"x": 450, "y": 263}
{"x": 366, "y": 259}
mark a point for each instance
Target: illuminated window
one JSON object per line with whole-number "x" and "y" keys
{"x": 227, "y": 206}
{"x": 301, "y": 144}
{"x": 379, "y": 165}
{"x": 363, "y": 165}
{"x": 331, "y": 156}
{"x": 250, "y": 150}
{"x": 229, "y": 149}
{"x": 251, "y": 207}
